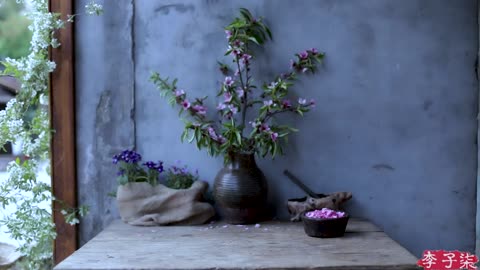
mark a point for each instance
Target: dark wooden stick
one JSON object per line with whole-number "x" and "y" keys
{"x": 299, "y": 183}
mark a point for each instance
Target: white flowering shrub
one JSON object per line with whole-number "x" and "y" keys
{"x": 26, "y": 120}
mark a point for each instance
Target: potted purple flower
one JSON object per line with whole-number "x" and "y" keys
{"x": 131, "y": 171}
{"x": 240, "y": 188}
{"x": 143, "y": 201}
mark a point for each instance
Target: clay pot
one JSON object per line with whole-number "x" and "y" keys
{"x": 240, "y": 190}
{"x": 325, "y": 228}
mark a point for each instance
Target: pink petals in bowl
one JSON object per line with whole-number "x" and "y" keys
{"x": 325, "y": 223}
{"x": 325, "y": 213}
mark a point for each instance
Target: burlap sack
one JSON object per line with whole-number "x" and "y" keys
{"x": 141, "y": 204}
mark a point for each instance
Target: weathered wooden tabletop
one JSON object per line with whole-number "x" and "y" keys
{"x": 272, "y": 245}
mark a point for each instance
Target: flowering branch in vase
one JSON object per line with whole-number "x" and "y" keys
{"x": 240, "y": 94}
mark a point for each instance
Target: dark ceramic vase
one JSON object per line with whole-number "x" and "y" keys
{"x": 240, "y": 190}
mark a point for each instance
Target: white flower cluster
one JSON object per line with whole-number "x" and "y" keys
{"x": 31, "y": 224}
{"x": 22, "y": 177}
{"x": 11, "y": 124}
{"x": 43, "y": 26}
{"x": 93, "y": 8}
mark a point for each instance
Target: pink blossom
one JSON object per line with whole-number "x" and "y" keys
{"x": 221, "y": 139}
{"x": 186, "y": 104}
{"x": 237, "y": 43}
{"x": 200, "y": 109}
{"x": 212, "y": 133}
{"x": 314, "y": 51}
{"x": 303, "y": 55}
{"x": 312, "y": 102}
{"x": 302, "y": 101}
{"x": 274, "y": 136}
{"x": 272, "y": 85}
{"x": 228, "y": 81}
{"x": 179, "y": 92}
{"x": 221, "y": 106}
{"x": 292, "y": 64}
{"x": 246, "y": 58}
{"x": 264, "y": 127}
{"x": 228, "y": 33}
{"x": 268, "y": 102}
{"x": 240, "y": 92}
{"x": 228, "y": 97}
{"x": 233, "y": 108}
{"x": 237, "y": 72}
{"x": 325, "y": 213}
{"x": 286, "y": 104}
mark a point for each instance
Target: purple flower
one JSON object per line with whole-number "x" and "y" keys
{"x": 302, "y": 101}
{"x": 149, "y": 164}
{"x": 179, "y": 92}
{"x": 185, "y": 104}
{"x": 313, "y": 51}
{"x": 312, "y": 102}
{"x": 121, "y": 172}
{"x": 228, "y": 97}
{"x": 127, "y": 156}
{"x": 268, "y": 102}
{"x": 202, "y": 110}
{"x": 303, "y": 55}
{"x": 221, "y": 106}
{"x": 228, "y": 33}
{"x": 228, "y": 81}
{"x": 286, "y": 103}
{"x": 154, "y": 166}
{"x": 232, "y": 108}
{"x": 240, "y": 92}
{"x": 274, "y": 136}
{"x": 237, "y": 72}
{"x": 236, "y": 52}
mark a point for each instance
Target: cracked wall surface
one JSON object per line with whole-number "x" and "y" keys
{"x": 395, "y": 121}
{"x": 104, "y": 102}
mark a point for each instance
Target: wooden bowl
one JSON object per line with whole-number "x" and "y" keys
{"x": 325, "y": 228}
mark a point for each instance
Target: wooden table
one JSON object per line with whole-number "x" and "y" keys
{"x": 272, "y": 245}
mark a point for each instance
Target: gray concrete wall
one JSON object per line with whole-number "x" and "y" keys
{"x": 395, "y": 122}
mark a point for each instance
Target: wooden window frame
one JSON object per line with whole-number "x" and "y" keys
{"x": 62, "y": 111}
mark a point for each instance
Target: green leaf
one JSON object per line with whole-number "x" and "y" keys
{"x": 254, "y": 40}
{"x": 269, "y": 33}
{"x": 194, "y": 135}
{"x": 239, "y": 138}
{"x": 246, "y": 14}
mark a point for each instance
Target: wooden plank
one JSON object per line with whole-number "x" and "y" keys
{"x": 62, "y": 100}
{"x": 273, "y": 245}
